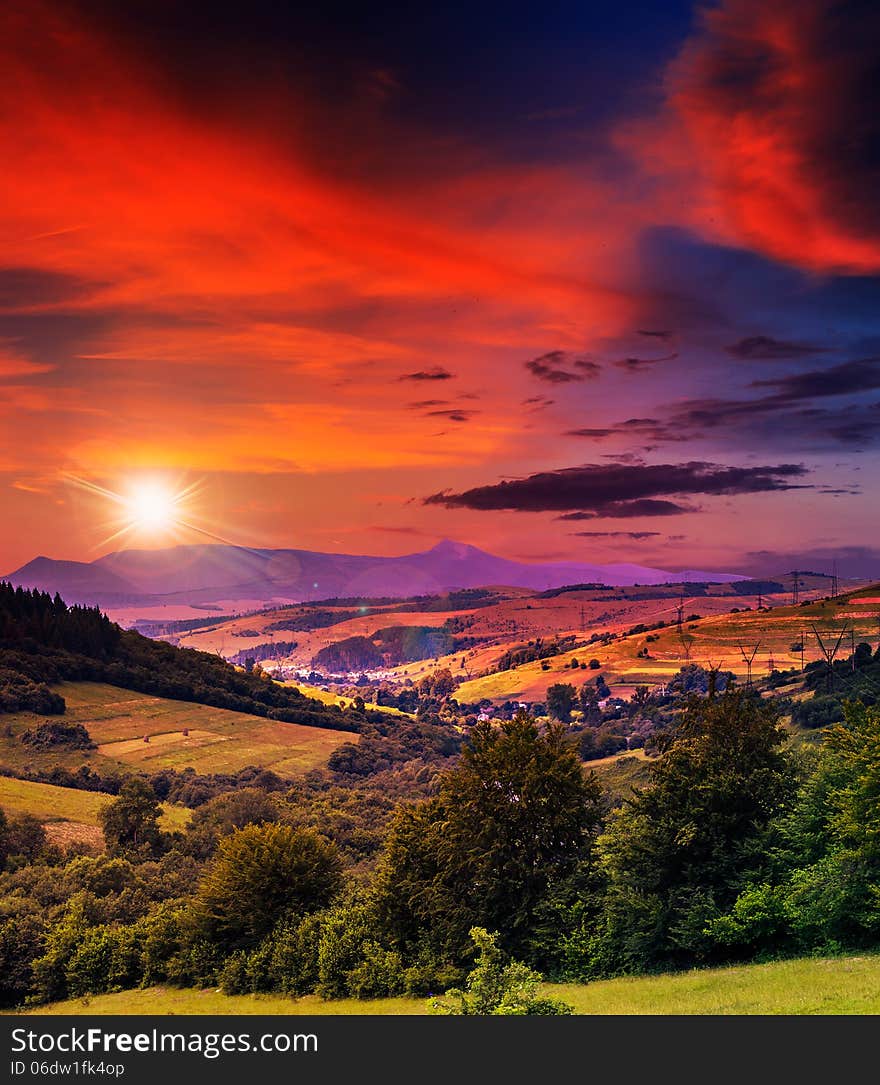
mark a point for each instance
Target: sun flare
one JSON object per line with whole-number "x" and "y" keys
{"x": 152, "y": 507}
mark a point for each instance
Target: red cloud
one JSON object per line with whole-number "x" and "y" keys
{"x": 779, "y": 100}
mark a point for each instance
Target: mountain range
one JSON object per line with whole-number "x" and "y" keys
{"x": 202, "y": 573}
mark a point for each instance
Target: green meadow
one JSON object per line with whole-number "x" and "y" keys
{"x": 835, "y": 985}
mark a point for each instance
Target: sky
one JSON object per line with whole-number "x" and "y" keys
{"x": 566, "y": 281}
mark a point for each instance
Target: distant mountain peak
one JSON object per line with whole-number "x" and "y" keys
{"x": 452, "y": 549}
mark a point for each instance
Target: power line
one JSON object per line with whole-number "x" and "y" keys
{"x": 830, "y": 653}
{"x": 749, "y": 658}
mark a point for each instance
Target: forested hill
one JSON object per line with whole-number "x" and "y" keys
{"x": 44, "y": 641}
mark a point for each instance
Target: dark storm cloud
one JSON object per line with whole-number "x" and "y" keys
{"x": 648, "y": 429}
{"x": 56, "y": 338}
{"x": 556, "y": 367}
{"x": 438, "y": 373}
{"x": 594, "y": 434}
{"x": 857, "y": 427}
{"x": 839, "y": 380}
{"x": 792, "y": 406}
{"x": 761, "y": 348}
{"x": 622, "y": 489}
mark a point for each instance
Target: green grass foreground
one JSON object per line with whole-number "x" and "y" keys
{"x": 838, "y": 985}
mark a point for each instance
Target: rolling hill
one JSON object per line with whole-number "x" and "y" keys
{"x": 714, "y": 639}
{"x": 478, "y": 626}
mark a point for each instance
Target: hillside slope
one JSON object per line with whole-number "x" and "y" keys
{"x": 716, "y": 640}
{"x": 137, "y": 732}
{"x": 43, "y": 641}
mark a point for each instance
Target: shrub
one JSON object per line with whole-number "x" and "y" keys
{"x": 379, "y": 973}
{"x": 72, "y": 736}
{"x": 498, "y": 987}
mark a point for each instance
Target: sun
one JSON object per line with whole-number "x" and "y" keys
{"x": 154, "y": 507}
{"x": 151, "y": 506}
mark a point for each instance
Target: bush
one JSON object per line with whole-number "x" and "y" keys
{"x": 21, "y": 941}
{"x": 498, "y": 987}
{"x": 72, "y": 736}
{"x": 818, "y": 711}
{"x": 379, "y": 973}
{"x": 104, "y": 959}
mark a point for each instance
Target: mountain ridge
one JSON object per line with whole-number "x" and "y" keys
{"x": 203, "y": 572}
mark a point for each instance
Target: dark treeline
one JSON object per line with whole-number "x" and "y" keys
{"x": 275, "y": 649}
{"x": 738, "y": 848}
{"x": 43, "y": 641}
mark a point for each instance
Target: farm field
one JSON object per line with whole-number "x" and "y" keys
{"x": 517, "y": 617}
{"x": 180, "y": 735}
{"x": 837, "y": 985}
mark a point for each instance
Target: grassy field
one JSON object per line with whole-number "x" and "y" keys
{"x": 840, "y": 985}
{"x": 69, "y": 814}
{"x": 327, "y": 696}
{"x": 135, "y": 730}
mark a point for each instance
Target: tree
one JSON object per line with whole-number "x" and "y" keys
{"x": 261, "y": 873}
{"x": 25, "y": 836}
{"x": 561, "y": 699}
{"x": 824, "y": 890}
{"x": 511, "y": 819}
{"x": 131, "y": 821}
{"x": 588, "y": 699}
{"x": 224, "y": 814}
{"x": 680, "y": 850}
